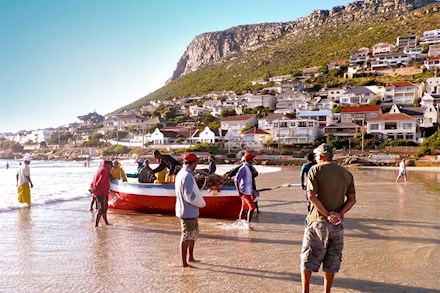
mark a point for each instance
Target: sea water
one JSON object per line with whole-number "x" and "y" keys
{"x": 391, "y": 238}
{"x": 63, "y": 181}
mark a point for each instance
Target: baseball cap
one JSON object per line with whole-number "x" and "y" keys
{"x": 140, "y": 161}
{"x": 27, "y": 159}
{"x": 189, "y": 158}
{"x": 249, "y": 156}
{"x": 324, "y": 150}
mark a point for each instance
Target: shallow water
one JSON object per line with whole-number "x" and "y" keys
{"x": 391, "y": 244}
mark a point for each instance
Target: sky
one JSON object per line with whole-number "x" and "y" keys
{"x": 60, "y": 59}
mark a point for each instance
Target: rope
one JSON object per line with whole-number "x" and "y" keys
{"x": 280, "y": 186}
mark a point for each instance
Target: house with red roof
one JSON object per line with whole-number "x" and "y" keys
{"x": 169, "y": 135}
{"x": 432, "y": 63}
{"x": 255, "y": 138}
{"x": 236, "y": 123}
{"x": 402, "y": 93}
{"x": 397, "y": 126}
{"x": 360, "y": 114}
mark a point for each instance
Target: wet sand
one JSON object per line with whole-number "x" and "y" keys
{"x": 392, "y": 244}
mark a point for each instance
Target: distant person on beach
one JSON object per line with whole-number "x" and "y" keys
{"x": 166, "y": 161}
{"x": 117, "y": 172}
{"x": 188, "y": 202}
{"x": 243, "y": 183}
{"x": 304, "y": 171}
{"x": 140, "y": 166}
{"x": 211, "y": 165}
{"x": 7, "y": 165}
{"x": 100, "y": 188}
{"x": 402, "y": 171}
{"x": 331, "y": 191}
{"x": 146, "y": 175}
{"x": 24, "y": 182}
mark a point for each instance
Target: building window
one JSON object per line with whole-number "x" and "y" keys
{"x": 302, "y": 124}
{"x": 374, "y": 126}
{"x": 390, "y": 125}
{"x": 407, "y": 125}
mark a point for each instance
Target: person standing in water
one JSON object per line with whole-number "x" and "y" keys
{"x": 402, "y": 171}
{"x": 243, "y": 183}
{"x": 188, "y": 201}
{"x": 100, "y": 188}
{"x": 24, "y": 182}
{"x": 331, "y": 191}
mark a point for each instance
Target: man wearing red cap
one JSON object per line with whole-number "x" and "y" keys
{"x": 188, "y": 202}
{"x": 243, "y": 183}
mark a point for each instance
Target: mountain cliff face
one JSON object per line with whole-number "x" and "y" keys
{"x": 211, "y": 48}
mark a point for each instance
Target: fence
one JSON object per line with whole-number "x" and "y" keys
{"x": 402, "y": 149}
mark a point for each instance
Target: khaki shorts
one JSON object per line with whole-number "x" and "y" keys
{"x": 322, "y": 243}
{"x": 190, "y": 229}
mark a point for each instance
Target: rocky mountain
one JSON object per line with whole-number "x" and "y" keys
{"x": 213, "y": 47}
{"x": 229, "y": 60}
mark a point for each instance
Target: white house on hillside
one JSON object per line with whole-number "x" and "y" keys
{"x": 401, "y": 93}
{"x": 236, "y": 123}
{"x": 294, "y": 131}
{"x": 323, "y": 117}
{"x": 210, "y": 136}
{"x": 393, "y": 126}
{"x": 267, "y": 101}
{"x": 359, "y": 95}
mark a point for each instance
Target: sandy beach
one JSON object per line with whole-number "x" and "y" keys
{"x": 392, "y": 244}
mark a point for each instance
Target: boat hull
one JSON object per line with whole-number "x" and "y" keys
{"x": 161, "y": 199}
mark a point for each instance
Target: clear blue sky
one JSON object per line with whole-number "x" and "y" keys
{"x": 63, "y": 58}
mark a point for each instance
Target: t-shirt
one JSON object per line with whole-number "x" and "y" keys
{"x": 331, "y": 183}
{"x": 244, "y": 179}
{"x": 23, "y": 173}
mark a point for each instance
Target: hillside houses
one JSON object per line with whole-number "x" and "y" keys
{"x": 298, "y": 113}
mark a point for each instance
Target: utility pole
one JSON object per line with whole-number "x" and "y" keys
{"x": 363, "y": 131}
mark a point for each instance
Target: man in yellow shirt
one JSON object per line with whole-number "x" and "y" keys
{"x": 117, "y": 172}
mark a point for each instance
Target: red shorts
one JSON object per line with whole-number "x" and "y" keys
{"x": 247, "y": 202}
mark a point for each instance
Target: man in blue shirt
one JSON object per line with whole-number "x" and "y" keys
{"x": 243, "y": 183}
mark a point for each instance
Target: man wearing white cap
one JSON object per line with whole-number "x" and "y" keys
{"x": 23, "y": 181}
{"x": 330, "y": 189}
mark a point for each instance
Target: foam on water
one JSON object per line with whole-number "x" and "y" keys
{"x": 237, "y": 225}
{"x": 60, "y": 181}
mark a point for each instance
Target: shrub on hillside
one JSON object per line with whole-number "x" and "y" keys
{"x": 116, "y": 150}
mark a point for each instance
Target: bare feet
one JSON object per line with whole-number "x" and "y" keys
{"x": 186, "y": 265}
{"x": 193, "y": 260}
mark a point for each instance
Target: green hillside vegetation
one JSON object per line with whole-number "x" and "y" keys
{"x": 291, "y": 53}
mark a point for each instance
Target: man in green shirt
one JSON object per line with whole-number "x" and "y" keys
{"x": 330, "y": 189}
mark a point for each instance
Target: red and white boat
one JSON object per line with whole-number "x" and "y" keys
{"x": 161, "y": 199}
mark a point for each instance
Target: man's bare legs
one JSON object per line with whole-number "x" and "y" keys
{"x": 250, "y": 213}
{"x": 328, "y": 281}
{"x": 305, "y": 280}
{"x": 191, "y": 244}
{"x": 306, "y": 275}
{"x": 98, "y": 218}
{"x": 186, "y": 245}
